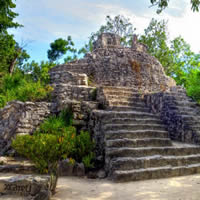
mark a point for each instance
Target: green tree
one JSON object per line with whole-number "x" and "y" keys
{"x": 7, "y": 46}
{"x": 156, "y": 38}
{"x": 11, "y": 53}
{"x": 7, "y": 15}
{"x": 38, "y": 71}
{"x": 60, "y": 47}
{"x": 175, "y": 56}
{"x": 162, "y": 4}
{"x": 118, "y": 25}
{"x": 193, "y": 83}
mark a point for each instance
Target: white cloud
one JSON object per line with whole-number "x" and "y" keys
{"x": 46, "y": 20}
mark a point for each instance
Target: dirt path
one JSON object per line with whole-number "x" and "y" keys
{"x": 181, "y": 188}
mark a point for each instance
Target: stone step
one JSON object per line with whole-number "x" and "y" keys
{"x": 191, "y": 122}
{"x": 184, "y": 112}
{"x": 121, "y": 93}
{"x": 144, "y": 142}
{"x": 120, "y": 134}
{"x": 128, "y": 108}
{"x": 183, "y": 108}
{"x": 126, "y": 103}
{"x": 132, "y": 121}
{"x": 130, "y": 163}
{"x": 177, "y": 96}
{"x": 184, "y": 103}
{"x": 189, "y": 117}
{"x": 150, "y": 151}
{"x": 134, "y": 98}
{"x": 195, "y": 127}
{"x": 124, "y": 114}
{"x": 16, "y": 165}
{"x": 18, "y": 169}
{"x": 111, "y": 88}
{"x": 133, "y": 127}
{"x": 154, "y": 173}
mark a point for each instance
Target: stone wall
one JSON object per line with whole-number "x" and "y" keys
{"x": 165, "y": 104}
{"x": 96, "y": 128}
{"x": 69, "y": 78}
{"x": 79, "y": 68}
{"x": 66, "y": 92}
{"x": 20, "y": 118}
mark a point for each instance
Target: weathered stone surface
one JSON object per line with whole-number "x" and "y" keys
{"x": 29, "y": 186}
{"x": 66, "y": 168}
{"x": 179, "y": 112}
{"x": 79, "y": 169}
{"x": 114, "y": 65}
{"x": 16, "y": 165}
{"x": 20, "y": 118}
{"x": 69, "y": 78}
{"x": 101, "y": 174}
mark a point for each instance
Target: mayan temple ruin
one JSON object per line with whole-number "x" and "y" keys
{"x": 144, "y": 126}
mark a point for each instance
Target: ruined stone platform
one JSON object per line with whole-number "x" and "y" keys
{"x": 132, "y": 109}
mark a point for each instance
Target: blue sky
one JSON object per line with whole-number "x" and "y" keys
{"x": 46, "y": 20}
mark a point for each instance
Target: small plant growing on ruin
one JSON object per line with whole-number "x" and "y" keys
{"x": 91, "y": 81}
{"x": 136, "y": 67}
{"x": 94, "y": 94}
{"x": 1, "y": 163}
{"x": 19, "y": 87}
{"x": 163, "y": 88}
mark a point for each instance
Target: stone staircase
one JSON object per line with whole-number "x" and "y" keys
{"x": 188, "y": 110}
{"x": 137, "y": 143}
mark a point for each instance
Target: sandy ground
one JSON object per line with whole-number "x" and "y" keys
{"x": 180, "y": 188}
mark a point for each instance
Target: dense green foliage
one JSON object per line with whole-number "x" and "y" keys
{"x": 22, "y": 87}
{"x": 169, "y": 53}
{"x": 60, "y": 47}
{"x": 56, "y": 139}
{"x": 7, "y": 15}
{"x": 193, "y": 84}
{"x": 162, "y": 4}
{"x": 176, "y": 57}
{"x": 11, "y": 53}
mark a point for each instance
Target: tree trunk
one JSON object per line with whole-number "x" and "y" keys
{"x": 13, "y": 62}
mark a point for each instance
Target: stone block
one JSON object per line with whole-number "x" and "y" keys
{"x": 79, "y": 169}
{"x": 66, "y": 168}
{"x": 28, "y": 186}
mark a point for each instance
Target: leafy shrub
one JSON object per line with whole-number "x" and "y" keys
{"x": 56, "y": 139}
{"x": 38, "y": 149}
{"x": 84, "y": 146}
{"x": 2, "y": 101}
{"x": 193, "y": 85}
{"x": 94, "y": 94}
{"x": 87, "y": 160}
{"x": 39, "y": 71}
{"x": 23, "y": 88}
